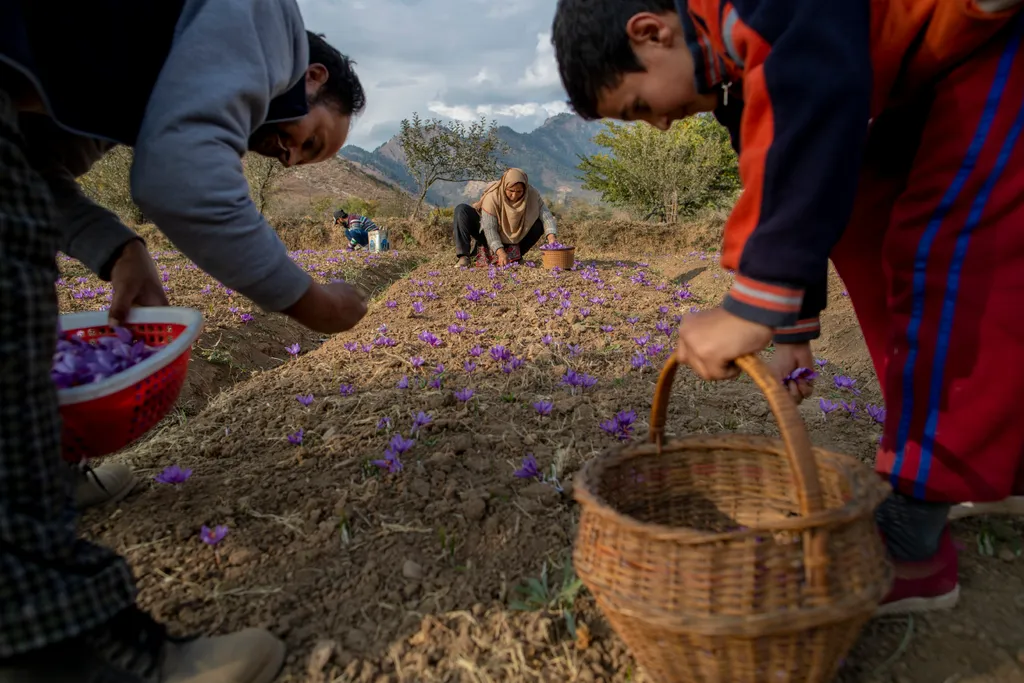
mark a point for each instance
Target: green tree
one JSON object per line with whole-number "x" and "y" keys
{"x": 360, "y": 207}
{"x": 455, "y": 152}
{"x": 663, "y": 174}
{"x": 108, "y": 183}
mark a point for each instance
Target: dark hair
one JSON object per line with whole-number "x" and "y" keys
{"x": 592, "y": 48}
{"x": 342, "y": 88}
{"x": 340, "y": 213}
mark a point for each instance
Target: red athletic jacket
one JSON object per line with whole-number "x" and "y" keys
{"x": 801, "y": 82}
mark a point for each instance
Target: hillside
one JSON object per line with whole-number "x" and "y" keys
{"x": 549, "y": 155}
{"x": 298, "y": 188}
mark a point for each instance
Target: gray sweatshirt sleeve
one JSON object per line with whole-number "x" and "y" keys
{"x": 548, "y": 219}
{"x": 489, "y": 226}
{"x": 89, "y": 232}
{"x": 228, "y": 60}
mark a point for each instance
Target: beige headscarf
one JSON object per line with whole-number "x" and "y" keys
{"x": 514, "y": 218}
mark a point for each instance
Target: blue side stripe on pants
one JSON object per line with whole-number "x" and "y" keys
{"x": 953, "y": 279}
{"x": 922, "y": 256}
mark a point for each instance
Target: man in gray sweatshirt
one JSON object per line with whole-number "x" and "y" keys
{"x": 191, "y": 85}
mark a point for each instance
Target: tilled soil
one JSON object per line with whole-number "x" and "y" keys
{"x": 416, "y": 575}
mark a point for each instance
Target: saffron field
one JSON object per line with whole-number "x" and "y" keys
{"x": 396, "y": 501}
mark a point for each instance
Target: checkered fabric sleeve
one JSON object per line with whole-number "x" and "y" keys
{"x": 53, "y": 585}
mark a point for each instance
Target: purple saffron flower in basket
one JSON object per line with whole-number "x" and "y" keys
{"x": 346, "y": 390}
{"x": 293, "y": 350}
{"x": 844, "y": 382}
{"x": 464, "y": 395}
{"x": 403, "y": 383}
{"x": 212, "y": 537}
{"x": 305, "y": 399}
{"x": 296, "y": 438}
{"x": 554, "y": 246}
{"x": 543, "y": 407}
{"x": 529, "y": 469}
{"x": 173, "y": 475}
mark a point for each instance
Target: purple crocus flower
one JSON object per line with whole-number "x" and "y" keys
{"x": 500, "y": 354}
{"x": 574, "y": 349}
{"x": 844, "y": 382}
{"x": 876, "y": 413}
{"x": 464, "y": 395}
{"x": 212, "y": 537}
{"x": 850, "y": 408}
{"x": 346, "y": 390}
{"x": 420, "y": 420}
{"x": 461, "y": 316}
{"x": 293, "y": 350}
{"x": 384, "y": 423}
{"x": 391, "y": 303}
{"x": 800, "y": 375}
{"x": 476, "y": 352}
{"x": 417, "y": 361}
{"x": 305, "y": 399}
{"x": 296, "y": 438}
{"x": 417, "y": 307}
{"x": 351, "y": 346}
{"x": 608, "y": 329}
{"x": 529, "y": 469}
{"x": 820, "y": 362}
{"x": 543, "y": 407}
{"x": 173, "y": 475}
{"x": 403, "y": 383}
{"x": 391, "y": 461}
{"x": 547, "y": 340}
{"x": 633, "y": 320}
{"x": 827, "y": 406}
{"x": 639, "y": 361}
{"x": 456, "y": 329}
{"x": 469, "y": 366}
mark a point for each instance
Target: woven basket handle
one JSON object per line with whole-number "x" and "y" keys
{"x": 794, "y": 433}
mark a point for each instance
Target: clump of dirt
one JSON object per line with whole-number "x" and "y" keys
{"x": 424, "y": 574}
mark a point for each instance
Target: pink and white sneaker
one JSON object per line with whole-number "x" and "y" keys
{"x": 926, "y": 586}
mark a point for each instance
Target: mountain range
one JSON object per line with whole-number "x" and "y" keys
{"x": 548, "y": 154}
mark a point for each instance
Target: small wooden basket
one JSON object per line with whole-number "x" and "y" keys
{"x": 558, "y": 258}
{"x": 732, "y": 559}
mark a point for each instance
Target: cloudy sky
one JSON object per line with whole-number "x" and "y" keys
{"x": 445, "y": 58}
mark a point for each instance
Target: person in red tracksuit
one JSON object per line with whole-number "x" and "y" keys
{"x": 885, "y": 135}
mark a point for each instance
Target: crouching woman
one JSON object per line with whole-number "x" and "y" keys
{"x": 507, "y": 221}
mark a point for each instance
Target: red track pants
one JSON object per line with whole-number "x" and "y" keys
{"x": 933, "y": 260}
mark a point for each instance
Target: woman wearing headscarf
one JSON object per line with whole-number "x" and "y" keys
{"x": 507, "y": 221}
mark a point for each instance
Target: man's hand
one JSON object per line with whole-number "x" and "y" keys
{"x": 786, "y": 359}
{"x": 329, "y": 309}
{"x": 135, "y": 281}
{"x": 502, "y": 257}
{"x": 552, "y": 238}
{"x": 709, "y": 342}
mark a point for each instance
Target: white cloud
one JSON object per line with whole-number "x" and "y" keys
{"x": 463, "y": 112}
{"x": 483, "y": 76}
{"x": 433, "y": 56}
{"x": 543, "y": 73}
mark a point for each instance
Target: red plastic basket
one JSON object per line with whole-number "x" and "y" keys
{"x": 106, "y": 416}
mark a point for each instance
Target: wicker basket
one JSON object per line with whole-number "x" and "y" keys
{"x": 558, "y": 258}
{"x": 732, "y": 559}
